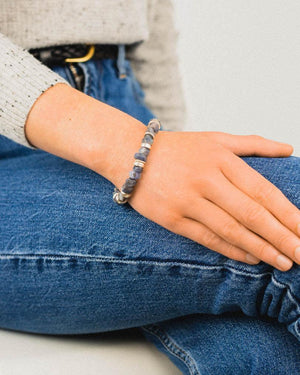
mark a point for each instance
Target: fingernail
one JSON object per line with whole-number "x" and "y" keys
{"x": 297, "y": 254}
{"x": 251, "y": 259}
{"x": 284, "y": 262}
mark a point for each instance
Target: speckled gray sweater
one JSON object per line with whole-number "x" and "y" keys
{"x": 26, "y": 24}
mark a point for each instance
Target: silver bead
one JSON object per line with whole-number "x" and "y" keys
{"x": 149, "y": 133}
{"x": 147, "y": 145}
{"x": 155, "y": 123}
{"x": 125, "y": 195}
{"x": 122, "y": 201}
{"x": 139, "y": 163}
{"x": 118, "y": 197}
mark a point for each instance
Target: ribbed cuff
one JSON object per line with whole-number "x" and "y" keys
{"x": 23, "y": 78}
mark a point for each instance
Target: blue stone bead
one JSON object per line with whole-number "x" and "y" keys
{"x": 140, "y": 156}
{"x": 144, "y": 150}
{"x": 154, "y": 125}
{"x": 130, "y": 182}
{"x": 128, "y": 189}
{"x": 135, "y": 175}
{"x": 147, "y": 139}
{"x": 151, "y": 130}
{"x": 138, "y": 168}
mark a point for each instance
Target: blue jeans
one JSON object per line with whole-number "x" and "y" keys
{"x": 72, "y": 261}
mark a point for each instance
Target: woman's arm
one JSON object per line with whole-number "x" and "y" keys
{"x": 193, "y": 183}
{"x": 70, "y": 124}
{"x": 23, "y": 79}
{"x": 189, "y": 179}
{"x": 40, "y": 109}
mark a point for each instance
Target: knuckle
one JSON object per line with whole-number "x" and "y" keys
{"x": 262, "y": 250}
{"x": 230, "y": 230}
{"x": 264, "y": 192}
{"x": 231, "y": 252}
{"x": 253, "y": 214}
{"x": 288, "y": 209}
{"x": 209, "y": 239}
{"x": 206, "y": 180}
{"x": 209, "y": 181}
{"x": 234, "y": 253}
{"x": 283, "y": 240}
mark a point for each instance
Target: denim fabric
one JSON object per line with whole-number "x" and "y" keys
{"x": 72, "y": 261}
{"x": 227, "y": 344}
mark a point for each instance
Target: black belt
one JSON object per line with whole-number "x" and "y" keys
{"x": 64, "y": 54}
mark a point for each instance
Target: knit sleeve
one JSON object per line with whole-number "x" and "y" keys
{"x": 156, "y": 67}
{"x": 23, "y": 78}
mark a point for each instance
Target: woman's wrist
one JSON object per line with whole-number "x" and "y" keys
{"x": 79, "y": 128}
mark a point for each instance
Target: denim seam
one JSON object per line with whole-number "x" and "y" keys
{"x": 136, "y": 260}
{"x": 297, "y": 327}
{"x": 289, "y": 292}
{"x": 70, "y": 77}
{"x": 292, "y": 298}
{"x": 157, "y": 263}
{"x": 87, "y": 78}
{"x": 173, "y": 348}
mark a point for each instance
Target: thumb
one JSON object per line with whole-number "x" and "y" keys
{"x": 256, "y": 145}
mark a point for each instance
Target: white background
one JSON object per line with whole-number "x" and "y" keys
{"x": 240, "y": 65}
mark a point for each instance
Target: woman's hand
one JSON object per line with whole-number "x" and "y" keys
{"x": 194, "y": 185}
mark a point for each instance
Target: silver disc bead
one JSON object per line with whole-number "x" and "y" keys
{"x": 118, "y": 197}
{"x": 147, "y": 145}
{"x": 139, "y": 163}
{"x": 149, "y": 133}
{"x": 125, "y": 195}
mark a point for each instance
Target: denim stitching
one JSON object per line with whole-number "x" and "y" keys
{"x": 157, "y": 263}
{"x": 161, "y": 263}
{"x": 292, "y": 298}
{"x": 289, "y": 292}
{"x": 153, "y": 261}
{"x": 87, "y": 78}
{"x": 173, "y": 348}
{"x": 70, "y": 76}
{"x": 297, "y": 327}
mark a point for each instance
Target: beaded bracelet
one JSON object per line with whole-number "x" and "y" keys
{"x": 122, "y": 196}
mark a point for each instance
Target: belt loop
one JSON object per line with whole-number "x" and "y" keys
{"x": 121, "y": 61}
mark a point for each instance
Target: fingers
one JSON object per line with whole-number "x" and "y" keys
{"x": 251, "y": 145}
{"x": 259, "y": 146}
{"x": 259, "y": 220}
{"x": 225, "y": 226}
{"x": 262, "y": 191}
{"x": 201, "y": 234}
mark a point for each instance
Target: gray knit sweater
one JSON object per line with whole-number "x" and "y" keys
{"x": 26, "y": 24}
